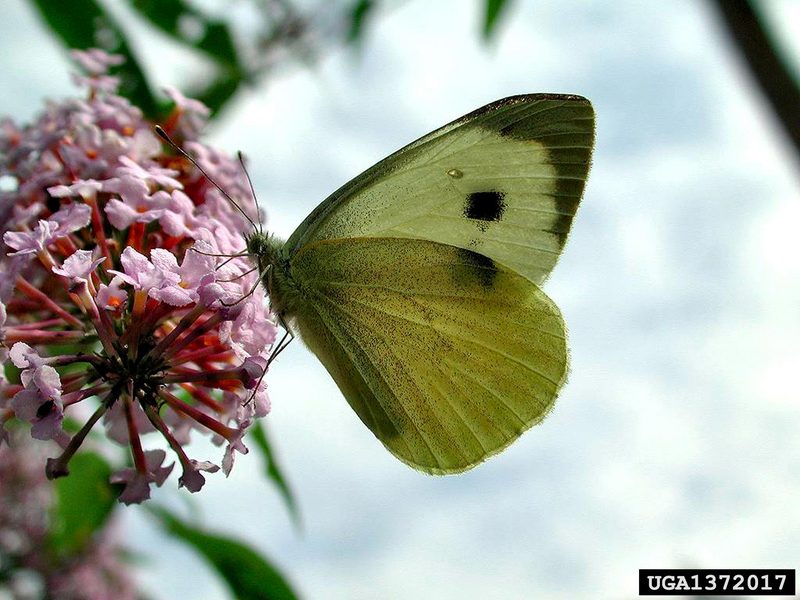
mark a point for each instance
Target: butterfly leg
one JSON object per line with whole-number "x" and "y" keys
{"x": 245, "y": 297}
{"x": 245, "y": 274}
{"x": 280, "y": 347}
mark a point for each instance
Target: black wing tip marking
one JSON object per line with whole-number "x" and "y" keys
{"x": 572, "y": 101}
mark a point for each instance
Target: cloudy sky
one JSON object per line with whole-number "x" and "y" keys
{"x": 674, "y": 443}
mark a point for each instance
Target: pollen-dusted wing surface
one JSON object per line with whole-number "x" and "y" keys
{"x": 503, "y": 181}
{"x": 445, "y": 355}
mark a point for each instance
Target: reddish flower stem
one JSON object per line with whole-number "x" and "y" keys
{"x": 58, "y": 467}
{"x": 78, "y": 395}
{"x": 210, "y": 351}
{"x": 162, "y": 428}
{"x": 184, "y": 324}
{"x": 38, "y": 324}
{"x": 43, "y": 299}
{"x": 42, "y": 337}
{"x": 207, "y": 325}
{"x": 205, "y": 420}
{"x": 237, "y": 374}
{"x": 99, "y": 232}
{"x": 72, "y": 382}
{"x": 133, "y": 437}
{"x": 203, "y": 397}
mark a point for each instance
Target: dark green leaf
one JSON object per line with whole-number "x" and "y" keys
{"x": 12, "y": 372}
{"x": 219, "y": 92}
{"x": 212, "y": 37}
{"x": 248, "y": 574}
{"x": 358, "y": 18}
{"x": 83, "y": 24}
{"x": 191, "y": 27}
{"x": 84, "y": 501}
{"x": 493, "y": 10}
{"x": 274, "y": 472}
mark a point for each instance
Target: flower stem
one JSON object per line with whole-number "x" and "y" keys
{"x": 207, "y": 421}
{"x": 36, "y": 294}
{"x": 182, "y": 326}
{"x": 58, "y": 467}
{"x": 206, "y": 326}
{"x": 133, "y": 437}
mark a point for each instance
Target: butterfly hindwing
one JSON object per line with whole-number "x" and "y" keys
{"x": 444, "y": 354}
{"x": 503, "y": 181}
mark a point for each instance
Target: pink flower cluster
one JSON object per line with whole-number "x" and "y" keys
{"x": 95, "y": 572}
{"x": 116, "y": 300}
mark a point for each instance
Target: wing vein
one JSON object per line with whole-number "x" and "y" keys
{"x": 422, "y": 435}
{"x": 513, "y": 359}
{"x": 502, "y": 401}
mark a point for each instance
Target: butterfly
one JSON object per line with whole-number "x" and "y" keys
{"x": 417, "y": 284}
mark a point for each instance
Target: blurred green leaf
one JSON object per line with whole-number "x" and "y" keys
{"x": 491, "y": 16}
{"x": 83, "y": 24}
{"x": 191, "y": 27}
{"x": 358, "y": 17}
{"x": 273, "y": 471}
{"x": 248, "y": 575}
{"x": 219, "y": 92}
{"x": 84, "y": 501}
{"x": 11, "y": 372}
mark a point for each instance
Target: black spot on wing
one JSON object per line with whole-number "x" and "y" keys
{"x": 487, "y": 207}
{"x": 474, "y": 267}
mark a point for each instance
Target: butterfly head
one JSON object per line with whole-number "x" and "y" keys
{"x": 264, "y": 247}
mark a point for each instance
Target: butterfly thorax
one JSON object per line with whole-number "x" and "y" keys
{"x": 273, "y": 267}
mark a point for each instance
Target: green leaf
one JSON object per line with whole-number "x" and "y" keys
{"x": 83, "y": 24}
{"x": 248, "y": 574}
{"x": 84, "y": 501}
{"x": 358, "y": 18}
{"x": 211, "y": 37}
{"x": 273, "y": 471}
{"x": 189, "y": 26}
{"x": 493, "y": 10}
{"x": 12, "y": 372}
{"x": 219, "y": 92}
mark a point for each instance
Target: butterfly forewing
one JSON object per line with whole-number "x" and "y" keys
{"x": 444, "y": 354}
{"x": 503, "y": 181}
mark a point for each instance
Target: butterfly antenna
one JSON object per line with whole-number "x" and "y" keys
{"x": 163, "y": 135}
{"x": 252, "y": 189}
